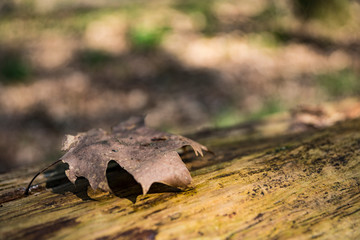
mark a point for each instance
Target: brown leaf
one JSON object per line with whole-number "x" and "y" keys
{"x": 147, "y": 154}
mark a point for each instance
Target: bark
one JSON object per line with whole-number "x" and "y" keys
{"x": 263, "y": 182}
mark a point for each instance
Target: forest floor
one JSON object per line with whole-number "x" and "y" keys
{"x": 188, "y": 65}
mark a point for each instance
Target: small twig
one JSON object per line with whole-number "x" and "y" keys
{"x": 28, "y": 187}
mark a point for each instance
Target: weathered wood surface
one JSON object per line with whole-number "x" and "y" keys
{"x": 261, "y": 184}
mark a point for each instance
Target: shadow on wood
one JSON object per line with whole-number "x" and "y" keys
{"x": 121, "y": 183}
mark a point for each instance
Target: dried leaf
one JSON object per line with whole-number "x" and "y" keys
{"x": 147, "y": 154}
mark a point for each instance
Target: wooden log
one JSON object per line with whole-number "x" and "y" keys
{"x": 262, "y": 183}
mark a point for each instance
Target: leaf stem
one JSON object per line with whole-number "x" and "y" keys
{"x": 37, "y": 174}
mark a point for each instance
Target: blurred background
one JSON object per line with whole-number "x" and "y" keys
{"x": 67, "y": 66}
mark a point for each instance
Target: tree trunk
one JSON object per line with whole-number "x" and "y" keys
{"x": 263, "y": 182}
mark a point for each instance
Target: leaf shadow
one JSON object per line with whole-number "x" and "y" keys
{"x": 121, "y": 183}
{"x": 60, "y": 184}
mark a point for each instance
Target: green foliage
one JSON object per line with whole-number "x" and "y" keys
{"x": 328, "y": 11}
{"x": 282, "y": 36}
{"x": 342, "y": 83}
{"x": 93, "y": 57}
{"x": 203, "y": 8}
{"x": 194, "y": 6}
{"x": 270, "y": 14}
{"x": 266, "y": 39}
{"x": 232, "y": 116}
{"x": 227, "y": 117}
{"x": 13, "y": 69}
{"x": 269, "y": 107}
{"x": 146, "y": 38}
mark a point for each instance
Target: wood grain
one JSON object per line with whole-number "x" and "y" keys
{"x": 263, "y": 182}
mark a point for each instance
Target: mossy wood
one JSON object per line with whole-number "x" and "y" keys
{"x": 262, "y": 183}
